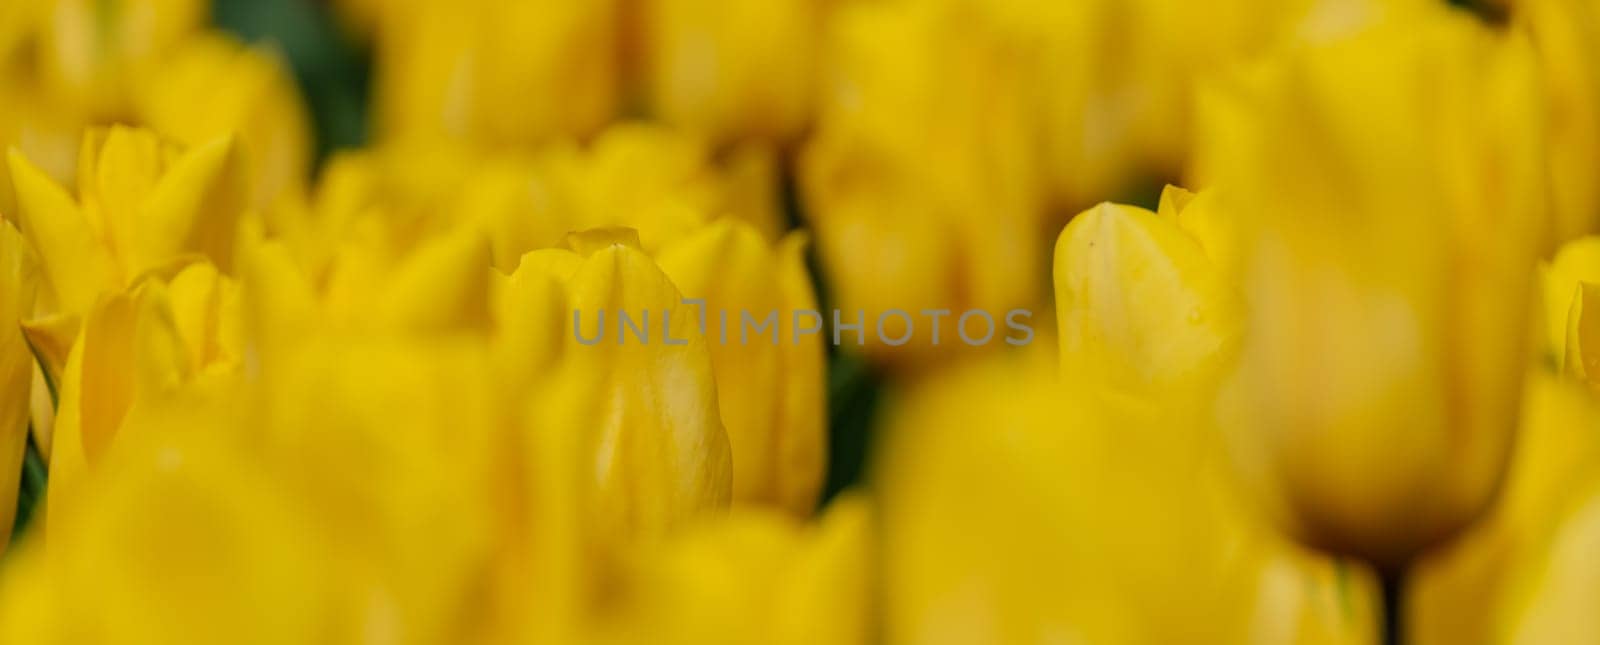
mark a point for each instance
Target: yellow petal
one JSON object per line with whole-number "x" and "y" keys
{"x": 769, "y": 382}
{"x": 1139, "y": 305}
{"x": 75, "y": 264}
{"x": 194, "y": 207}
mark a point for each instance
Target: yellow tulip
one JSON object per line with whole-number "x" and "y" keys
{"x": 18, "y": 282}
{"x": 769, "y": 383}
{"x": 921, "y": 177}
{"x": 754, "y": 576}
{"x": 1566, "y": 34}
{"x": 134, "y": 348}
{"x": 143, "y": 206}
{"x": 442, "y": 70}
{"x": 180, "y": 544}
{"x": 1521, "y": 575}
{"x": 640, "y": 393}
{"x": 1140, "y": 304}
{"x": 1392, "y": 236}
{"x": 1077, "y": 518}
{"x": 742, "y": 70}
{"x": 210, "y": 87}
{"x": 379, "y": 515}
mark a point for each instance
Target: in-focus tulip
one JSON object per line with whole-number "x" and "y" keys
{"x": 1141, "y": 305}
{"x": 1016, "y": 509}
{"x": 443, "y": 71}
{"x": 769, "y": 383}
{"x": 18, "y": 284}
{"x": 732, "y": 71}
{"x": 1525, "y": 574}
{"x": 649, "y": 434}
{"x": 920, "y": 181}
{"x": 1388, "y": 273}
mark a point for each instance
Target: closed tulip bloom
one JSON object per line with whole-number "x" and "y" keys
{"x": 442, "y": 70}
{"x": 769, "y": 379}
{"x": 640, "y": 395}
{"x": 1388, "y": 274}
{"x": 732, "y": 71}
{"x": 18, "y": 284}
{"x": 1063, "y": 534}
{"x": 1523, "y": 575}
{"x": 1140, "y": 303}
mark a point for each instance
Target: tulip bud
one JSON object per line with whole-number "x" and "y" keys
{"x": 1140, "y": 305}
{"x": 640, "y": 393}
{"x": 769, "y": 379}
{"x": 1387, "y": 270}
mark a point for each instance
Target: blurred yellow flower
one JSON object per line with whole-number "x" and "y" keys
{"x": 89, "y": 51}
{"x": 755, "y": 576}
{"x": 731, "y": 70}
{"x": 769, "y": 383}
{"x": 1566, "y": 34}
{"x": 921, "y": 178}
{"x": 660, "y": 181}
{"x": 1524, "y": 574}
{"x": 1081, "y": 519}
{"x": 211, "y": 86}
{"x": 1141, "y": 305}
{"x": 1392, "y": 235}
{"x": 445, "y": 69}
{"x": 281, "y": 518}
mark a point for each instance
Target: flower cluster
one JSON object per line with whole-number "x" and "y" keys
{"x": 468, "y": 383}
